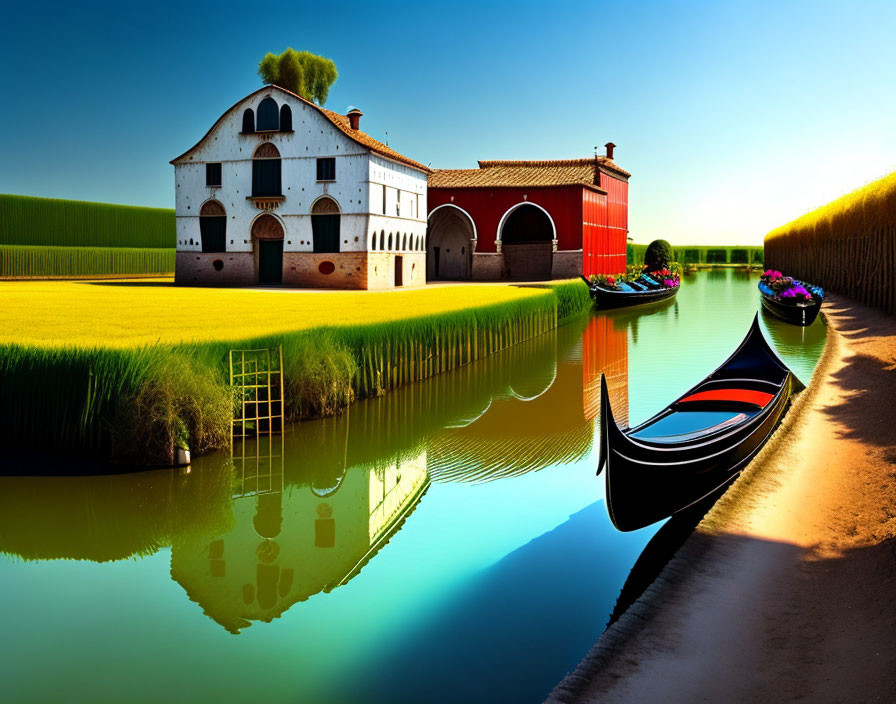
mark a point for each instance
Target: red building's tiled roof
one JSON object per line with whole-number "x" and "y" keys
{"x": 523, "y": 174}
{"x": 340, "y": 121}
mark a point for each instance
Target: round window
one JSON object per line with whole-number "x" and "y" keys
{"x": 326, "y": 267}
{"x": 218, "y": 264}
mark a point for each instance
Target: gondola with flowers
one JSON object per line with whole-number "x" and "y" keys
{"x": 789, "y": 299}
{"x": 657, "y": 280}
{"x": 621, "y": 290}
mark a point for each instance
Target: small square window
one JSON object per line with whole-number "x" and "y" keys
{"x": 213, "y": 174}
{"x": 326, "y": 169}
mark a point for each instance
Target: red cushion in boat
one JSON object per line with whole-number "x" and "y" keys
{"x": 756, "y": 398}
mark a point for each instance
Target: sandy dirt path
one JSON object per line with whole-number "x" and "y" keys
{"x": 786, "y": 591}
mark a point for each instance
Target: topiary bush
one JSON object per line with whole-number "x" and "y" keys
{"x": 658, "y": 255}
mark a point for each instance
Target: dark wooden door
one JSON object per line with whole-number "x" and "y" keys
{"x": 399, "y": 271}
{"x": 270, "y": 261}
{"x": 325, "y": 229}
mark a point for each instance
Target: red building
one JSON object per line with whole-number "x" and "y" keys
{"x": 528, "y": 219}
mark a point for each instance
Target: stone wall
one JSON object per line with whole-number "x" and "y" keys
{"x": 328, "y": 270}
{"x": 530, "y": 262}
{"x": 487, "y": 266}
{"x": 198, "y": 268}
{"x": 566, "y": 265}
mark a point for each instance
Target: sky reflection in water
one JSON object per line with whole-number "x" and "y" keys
{"x": 445, "y": 542}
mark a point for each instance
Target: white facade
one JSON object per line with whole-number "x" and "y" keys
{"x": 362, "y": 178}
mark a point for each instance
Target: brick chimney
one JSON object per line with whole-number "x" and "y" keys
{"x": 354, "y": 118}
{"x": 610, "y": 147}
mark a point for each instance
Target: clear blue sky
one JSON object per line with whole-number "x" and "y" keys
{"x": 732, "y": 117}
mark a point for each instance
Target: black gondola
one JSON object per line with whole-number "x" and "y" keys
{"x": 643, "y": 291}
{"x": 697, "y": 443}
{"x": 797, "y": 313}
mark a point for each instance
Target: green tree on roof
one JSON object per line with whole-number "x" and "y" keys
{"x": 301, "y": 72}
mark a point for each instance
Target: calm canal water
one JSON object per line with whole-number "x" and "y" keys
{"x": 447, "y": 542}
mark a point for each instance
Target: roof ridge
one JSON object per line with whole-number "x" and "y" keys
{"x": 535, "y": 163}
{"x": 337, "y": 119}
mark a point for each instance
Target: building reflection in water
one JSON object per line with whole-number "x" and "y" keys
{"x": 605, "y": 351}
{"x": 313, "y": 531}
{"x": 282, "y": 518}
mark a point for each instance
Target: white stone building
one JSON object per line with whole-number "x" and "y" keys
{"x": 283, "y": 192}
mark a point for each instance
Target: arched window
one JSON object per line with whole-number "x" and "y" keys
{"x": 213, "y": 227}
{"x": 249, "y": 120}
{"x": 373, "y": 241}
{"x": 390, "y": 241}
{"x": 382, "y": 239}
{"x": 325, "y": 225}
{"x": 266, "y": 171}
{"x": 268, "y": 115}
{"x": 285, "y": 118}
{"x": 404, "y": 242}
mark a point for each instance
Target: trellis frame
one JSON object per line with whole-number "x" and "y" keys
{"x": 257, "y": 377}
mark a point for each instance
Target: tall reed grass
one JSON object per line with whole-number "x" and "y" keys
{"x": 847, "y": 246}
{"x": 134, "y": 405}
{"x": 39, "y": 262}
{"x": 27, "y": 220}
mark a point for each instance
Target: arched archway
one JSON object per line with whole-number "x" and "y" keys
{"x": 325, "y": 224}
{"x": 527, "y": 235}
{"x": 449, "y": 237}
{"x": 213, "y": 226}
{"x": 267, "y": 243}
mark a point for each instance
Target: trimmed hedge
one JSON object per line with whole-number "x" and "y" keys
{"x": 19, "y": 261}
{"x": 26, "y": 220}
{"x": 704, "y": 255}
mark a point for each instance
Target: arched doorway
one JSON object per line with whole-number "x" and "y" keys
{"x": 449, "y": 244}
{"x": 267, "y": 242}
{"x": 325, "y": 225}
{"x": 527, "y": 237}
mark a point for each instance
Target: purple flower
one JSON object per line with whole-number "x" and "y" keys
{"x": 800, "y": 291}
{"x": 787, "y": 293}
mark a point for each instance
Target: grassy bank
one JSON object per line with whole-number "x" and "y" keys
{"x": 704, "y": 256}
{"x": 123, "y": 372}
{"x": 848, "y": 245}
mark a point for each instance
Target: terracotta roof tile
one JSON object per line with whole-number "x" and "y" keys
{"x": 521, "y": 174}
{"x": 340, "y": 121}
